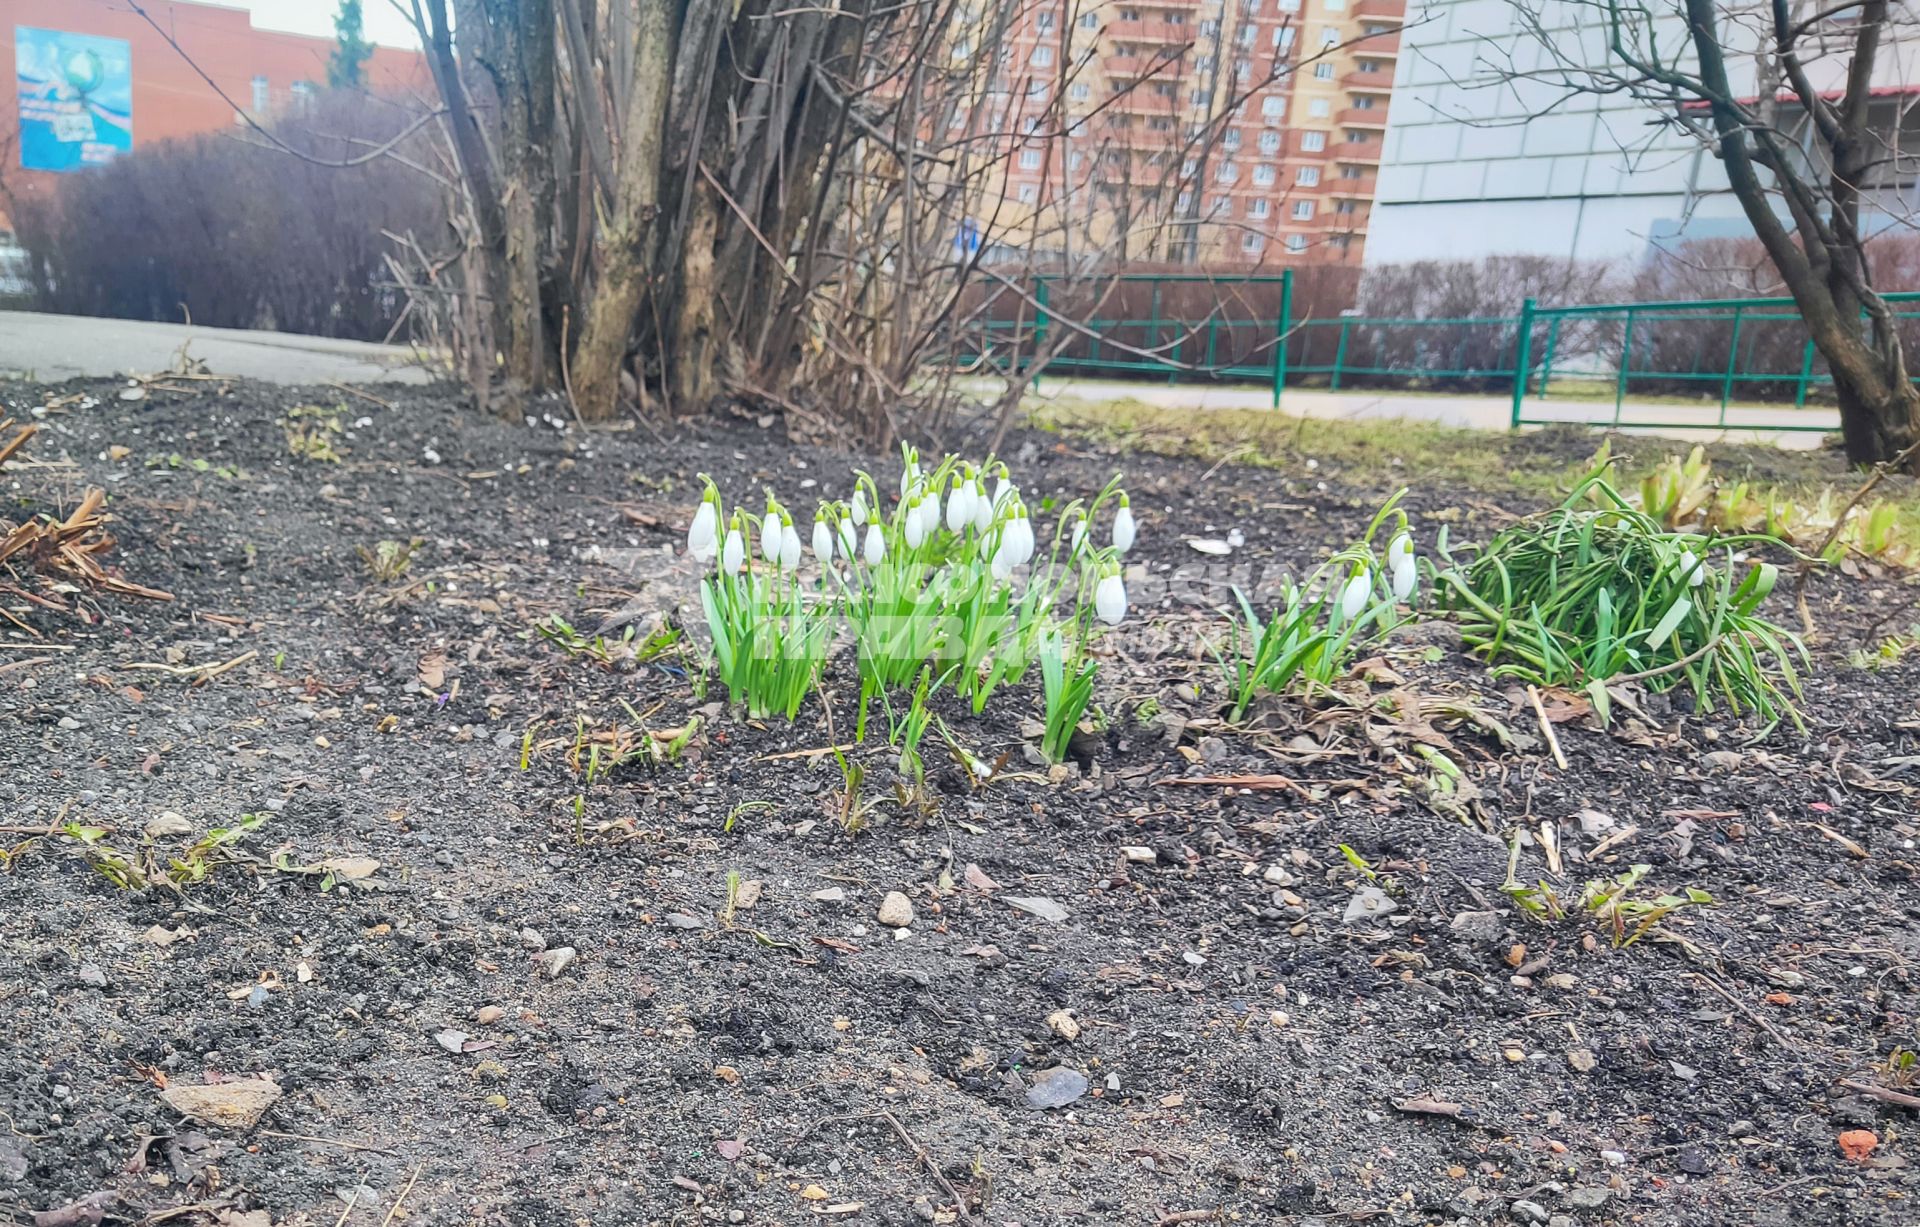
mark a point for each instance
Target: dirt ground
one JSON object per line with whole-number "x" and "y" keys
{"x": 1250, "y": 1042}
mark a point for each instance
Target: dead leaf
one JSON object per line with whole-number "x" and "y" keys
{"x": 1428, "y": 1107}
{"x": 433, "y": 671}
{"x": 351, "y": 868}
{"x": 730, "y": 1148}
{"x": 977, "y": 878}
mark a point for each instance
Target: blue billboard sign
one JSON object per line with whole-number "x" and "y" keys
{"x": 76, "y": 98}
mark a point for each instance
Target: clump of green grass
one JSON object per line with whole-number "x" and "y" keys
{"x": 388, "y": 560}
{"x": 1596, "y": 590}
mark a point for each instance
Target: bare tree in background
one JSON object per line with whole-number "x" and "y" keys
{"x": 698, "y": 201}
{"x": 1803, "y": 104}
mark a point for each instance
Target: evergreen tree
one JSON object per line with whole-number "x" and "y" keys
{"x": 346, "y": 70}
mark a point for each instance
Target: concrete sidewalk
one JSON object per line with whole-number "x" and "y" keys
{"x": 53, "y": 348}
{"x": 1745, "y": 423}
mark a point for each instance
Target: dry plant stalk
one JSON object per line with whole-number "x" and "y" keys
{"x": 69, "y": 549}
{"x": 9, "y": 446}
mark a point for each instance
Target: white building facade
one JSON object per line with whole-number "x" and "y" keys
{"x": 1486, "y": 155}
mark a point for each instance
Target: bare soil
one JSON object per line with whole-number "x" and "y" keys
{"x": 1250, "y": 1054}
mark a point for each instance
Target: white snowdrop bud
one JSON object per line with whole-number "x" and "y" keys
{"x": 789, "y": 547}
{"x": 1353, "y": 597}
{"x": 822, "y": 541}
{"x": 1123, "y": 527}
{"x": 1110, "y": 599}
{"x": 1406, "y": 578}
{"x": 876, "y": 547}
{"x": 704, "y": 536}
{"x": 733, "y": 555}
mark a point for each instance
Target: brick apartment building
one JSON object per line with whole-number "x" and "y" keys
{"x": 93, "y": 79}
{"x": 1297, "y": 89}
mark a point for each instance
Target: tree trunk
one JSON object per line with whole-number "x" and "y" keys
{"x": 1877, "y": 422}
{"x": 693, "y": 354}
{"x": 629, "y": 233}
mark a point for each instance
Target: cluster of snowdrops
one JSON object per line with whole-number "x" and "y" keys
{"x": 950, "y": 583}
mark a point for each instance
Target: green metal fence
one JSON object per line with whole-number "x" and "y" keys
{"x": 1582, "y": 364}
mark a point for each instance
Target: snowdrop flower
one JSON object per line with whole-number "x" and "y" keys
{"x": 1002, "y": 564}
{"x": 1406, "y": 577}
{"x": 1400, "y": 547}
{"x": 849, "y": 537}
{"x": 1353, "y": 597}
{"x": 789, "y": 546}
{"x": 1020, "y": 531}
{"x": 930, "y": 512}
{"x": 915, "y": 527}
{"x": 1692, "y": 568}
{"x": 703, "y": 538}
{"x": 771, "y": 534}
{"x": 733, "y": 555}
{"x": 909, "y": 470}
{"x": 1079, "y": 536}
{"x": 959, "y": 505}
{"x": 822, "y": 539}
{"x": 1123, "y": 526}
{"x": 982, "y": 506}
{"x": 876, "y": 547}
{"x": 1004, "y": 491}
{"x": 858, "y": 508}
{"x": 1110, "y": 598}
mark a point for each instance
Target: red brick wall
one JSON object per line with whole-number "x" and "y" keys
{"x": 170, "y": 99}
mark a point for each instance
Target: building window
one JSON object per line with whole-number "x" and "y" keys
{"x": 1029, "y": 193}
{"x": 1296, "y": 243}
{"x": 1269, "y": 141}
{"x": 1366, "y": 65}
{"x": 1198, "y": 98}
{"x": 1303, "y": 210}
{"x": 1334, "y": 6}
{"x": 1029, "y": 159}
{"x": 1363, "y": 102}
{"x": 1252, "y": 242}
{"x": 1323, "y": 71}
{"x": 1164, "y": 89}
{"x": 1159, "y": 123}
{"x": 1079, "y": 91}
{"x": 1313, "y": 142}
{"x": 1319, "y": 108}
{"x": 1283, "y": 37}
{"x": 1089, "y": 21}
{"x": 1352, "y": 172}
{"x": 1246, "y": 35}
{"x": 1219, "y": 206}
{"x": 1263, "y": 175}
{"x": 1187, "y": 168}
{"x": 1273, "y": 106}
{"x": 1075, "y": 160}
{"x": 1209, "y": 28}
{"x": 1289, "y": 6}
{"x": 1184, "y": 203}
{"x": 1173, "y": 17}
{"x": 1042, "y": 57}
{"x": 1242, "y": 71}
{"x": 1344, "y": 208}
{"x": 1340, "y": 242}
{"x": 1203, "y": 63}
{"x": 1307, "y": 176}
{"x": 1328, "y": 36}
{"x": 1043, "y": 20}
{"x": 1258, "y": 207}
{"x": 1230, "y": 139}
{"x": 262, "y": 96}
{"x": 1029, "y": 124}
{"x": 1037, "y": 92}
{"x": 1228, "y": 172}
{"x": 302, "y": 95}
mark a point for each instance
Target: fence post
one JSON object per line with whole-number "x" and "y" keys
{"x": 1733, "y": 362}
{"x": 1546, "y": 366}
{"x": 1040, "y": 318}
{"x": 1626, "y": 364}
{"x": 1806, "y": 373}
{"x": 1340, "y": 355}
{"x": 1153, "y": 322}
{"x": 1522, "y": 358}
{"x": 1213, "y": 322}
{"x": 1280, "y": 329}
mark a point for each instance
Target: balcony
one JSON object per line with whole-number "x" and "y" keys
{"x": 1367, "y": 82}
{"x": 1385, "y": 45}
{"x": 1380, "y": 10}
{"x": 1362, "y": 117}
{"x": 1151, "y": 31}
{"x": 1141, "y": 100}
{"x": 1365, "y": 153}
{"x": 1351, "y": 189}
{"x": 1144, "y": 67}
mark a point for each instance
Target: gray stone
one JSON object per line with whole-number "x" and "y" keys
{"x": 832, "y": 894}
{"x": 532, "y": 940}
{"x": 556, "y": 961}
{"x": 451, "y": 1040}
{"x": 1589, "y": 1197}
{"x": 1037, "y": 905}
{"x": 92, "y": 976}
{"x": 896, "y": 910}
{"x": 167, "y": 825}
{"x": 13, "y": 1161}
{"x": 1479, "y": 926}
{"x": 1529, "y": 1211}
{"x": 1056, "y": 1087}
{"x": 1370, "y": 903}
{"x": 681, "y": 920}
